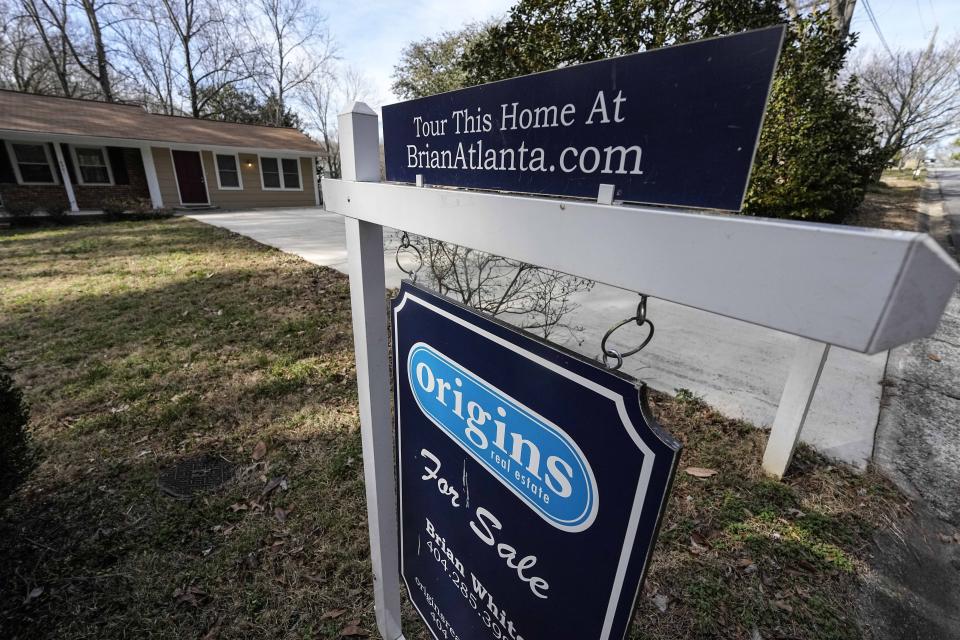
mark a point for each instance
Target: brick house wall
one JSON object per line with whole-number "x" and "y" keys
{"x": 128, "y": 172}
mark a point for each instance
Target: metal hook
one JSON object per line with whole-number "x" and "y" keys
{"x": 405, "y": 245}
{"x": 641, "y": 319}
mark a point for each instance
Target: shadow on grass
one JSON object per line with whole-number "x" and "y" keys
{"x": 203, "y": 342}
{"x": 740, "y": 552}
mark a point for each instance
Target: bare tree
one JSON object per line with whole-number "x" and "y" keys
{"x": 841, "y": 11}
{"x": 915, "y": 95}
{"x": 73, "y": 34}
{"x": 322, "y": 98}
{"x": 50, "y": 20}
{"x": 210, "y": 58}
{"x": 149, "y": 60}
{"x": 292, "y": 46}
{"x": 532, "y": 298}
{"x": 24, "y": 64}
{"x": 356, "y": 86}
{"x": 97, "y": 67}
{"x": 318, "y": 96}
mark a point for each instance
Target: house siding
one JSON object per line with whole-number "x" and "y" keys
{"x": 253, "y": 195}
{"x": 166, "y": 178}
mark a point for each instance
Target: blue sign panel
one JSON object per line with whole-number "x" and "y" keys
{"x": 531, "y": 480}
{"x": 671, "y": 126}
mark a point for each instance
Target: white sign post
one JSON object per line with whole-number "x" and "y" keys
{"x": 861, "y": 289}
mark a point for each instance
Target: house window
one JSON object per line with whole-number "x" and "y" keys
{"x": 92, "y": 165}
{"x": 32, "y": 163}
{"x": 228, "y": 172}
{"x": 280, "y": 173}
{"x": 291, "y": 173}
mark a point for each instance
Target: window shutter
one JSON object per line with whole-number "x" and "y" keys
{"x": 6, "y": 169}
{"x": 118, "y": 163}
{"x": 68, "y": 159}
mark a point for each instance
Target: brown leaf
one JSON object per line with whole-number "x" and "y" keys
{"x": 783, "y": 606}
{"x": 191, "y": 595}
{"x": 281, "y": 514}
{"x": 934, "y": 357}
{"x": 744, "y": 562}
{"x": 353, "y": 630}
{"x": 214, "y": 632}
{"x": 271, "y": 486}
{"x": 806, "y": 565}
{"x": 332, "y": 613}
{"x": 700, "y": 472}
{"x": 259, "y": 451}
{"x": 698, "y": 544}
{"x": 238, "y": 506}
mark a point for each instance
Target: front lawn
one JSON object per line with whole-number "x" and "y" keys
{"x": 140, "y": 344}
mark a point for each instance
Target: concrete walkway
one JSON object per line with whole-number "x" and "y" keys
{"x": 736, "y": 367}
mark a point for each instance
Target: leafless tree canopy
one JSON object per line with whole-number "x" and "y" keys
{"x": 914, "y": 94}
{"x": 250, "y": 60}
{"x": 292, "y": 45}
{"x": 841, "y": 11}
{"x": 536, "y": 299}
{"x": 323, "y": 96}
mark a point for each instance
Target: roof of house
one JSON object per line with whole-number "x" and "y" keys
{"x": 69, "y": 116}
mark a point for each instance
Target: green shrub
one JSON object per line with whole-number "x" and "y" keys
{"x": 16, "y": 454}
{"x": 818, "y": 150}
{"x": 114, "y": 208}
{"x": 56, "y": 210}
{"x": 133, "y": 209}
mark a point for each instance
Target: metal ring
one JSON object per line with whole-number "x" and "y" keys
{"x": 640, "y": 319}
{"x": 626, "y": 354}
{"x": 641, "y": 316}
{"x": 405, "y": 245}
{"x": 612, "y": 353}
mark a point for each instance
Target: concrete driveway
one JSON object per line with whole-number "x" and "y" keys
{"x": 737, "y": 367}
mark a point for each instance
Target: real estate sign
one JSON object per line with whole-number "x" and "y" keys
{"x": 672, "y": 126}
{"x": 531, "y": 480}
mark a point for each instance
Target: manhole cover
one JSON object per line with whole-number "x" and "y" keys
{"x": 195, "y": 475}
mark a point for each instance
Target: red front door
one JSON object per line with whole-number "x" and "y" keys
{"x": 189, "y": 171}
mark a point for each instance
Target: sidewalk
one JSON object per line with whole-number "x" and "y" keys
{"x": 918, "y": 436}
{"x": 738, "y": 368}
{"x": 914, "y": 591}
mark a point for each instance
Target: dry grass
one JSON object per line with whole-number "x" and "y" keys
{"x": 893, "y": 203}
{"x": 740, "y": 552}
{"x": 137, "y": 344}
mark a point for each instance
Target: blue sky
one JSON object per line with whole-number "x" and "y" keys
{"x": 907, "y": 23}
{"x": 371, "y": 33}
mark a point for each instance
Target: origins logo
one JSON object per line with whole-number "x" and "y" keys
{"x": 530, "y": 455}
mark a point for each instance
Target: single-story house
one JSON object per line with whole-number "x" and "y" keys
{"x": 79, "y": 154}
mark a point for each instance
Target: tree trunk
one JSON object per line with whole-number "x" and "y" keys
{"x": 103, "y": 68}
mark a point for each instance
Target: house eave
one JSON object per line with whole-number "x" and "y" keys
{"x": 16, "y": 134}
